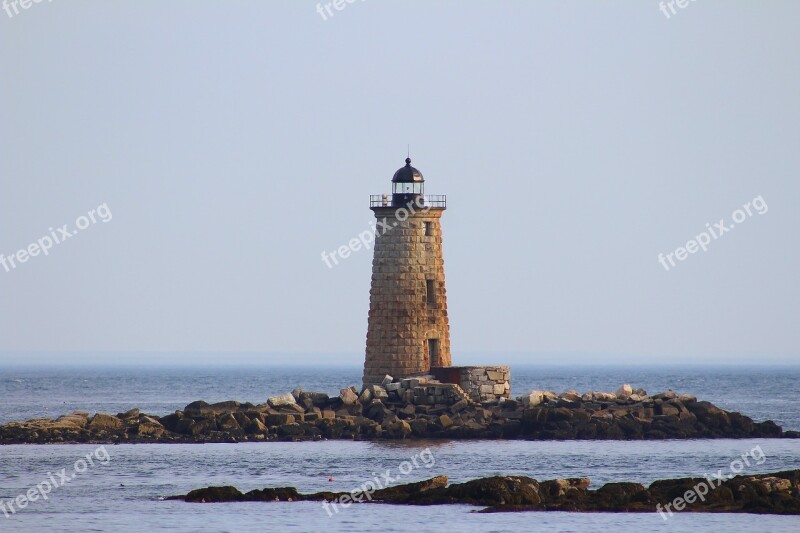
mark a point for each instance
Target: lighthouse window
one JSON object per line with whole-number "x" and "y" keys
{"x": 430, "y": 289}
{"x": 428, "y": 229}
{"x": 433, "y": 351}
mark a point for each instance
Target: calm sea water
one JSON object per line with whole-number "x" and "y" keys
{"x": 125, "y": 494}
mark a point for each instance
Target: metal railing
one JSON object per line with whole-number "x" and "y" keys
{"x": 438, "y": 201}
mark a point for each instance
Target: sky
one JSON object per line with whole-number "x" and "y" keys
{"x": 211, "y": 151}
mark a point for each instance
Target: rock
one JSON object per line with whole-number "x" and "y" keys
{"x": 459, "y": 406}
{"x": 225, "y": 407}
{"x": 184, "y": 426}
{"x": 667, "y": 410}
{"x": 214, "y": 495}
{"x": 387, "y": 380}
{"x": 290, "y": 430}
{"x": 297, "y": 392}
{"x": 204, "y": 427}
{"x": 445, "y": 421}
{"x": 228, "y": 422}
{"x": 198, "y": 408}
{"x": 399, "y": 429}
{"x": 624, "y": 391}
{"x": 279, "y": 419}
{"x": 150, "y": 428}
{"x": 498, "y": 490}
{"x": 282, "y": 401}
{"x": 764, "y": 494}
{"x": 171, "y": 421}
{"x": 104, "y": 422}
{"x": 365, "y": 397}
{"x": 378, "y": 392}
{"x": 419, "y": 427}
{"x": 256, "y": 426}
{"x": 571, "y": 396}
{"x": 78, "y": 419}
{"x": 604, "y": 396}
{"x": 133, "y": 413}
{"x": 532, "y": 399}
{"x": 622, "y": 493}
{"x": 348, "y": 396}
{"x": 318, "y": 399}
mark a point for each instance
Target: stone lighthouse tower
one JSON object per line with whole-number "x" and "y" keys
{"x": 408, "y": 328}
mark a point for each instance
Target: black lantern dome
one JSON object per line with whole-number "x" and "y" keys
{"x": 408, "y": 186}
{"x": 407, "y": 174}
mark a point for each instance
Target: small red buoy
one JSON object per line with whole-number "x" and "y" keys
{"x": 330, "y": 479}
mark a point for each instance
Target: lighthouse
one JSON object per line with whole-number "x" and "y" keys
{"x": 408, "y": 329}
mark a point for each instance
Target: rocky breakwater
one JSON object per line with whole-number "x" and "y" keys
{"x": 410, "y": 408}
{"x": 776, "y": 493}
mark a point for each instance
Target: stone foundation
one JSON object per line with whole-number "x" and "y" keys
{"x": 481, "y": 383}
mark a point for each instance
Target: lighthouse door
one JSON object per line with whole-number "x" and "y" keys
{"x": 433, "y": 352}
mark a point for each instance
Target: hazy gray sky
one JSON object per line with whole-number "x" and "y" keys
{"x": 234, "y": 141}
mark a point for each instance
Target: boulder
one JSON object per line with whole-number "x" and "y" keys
{"x": 445, "y": 421}
{"x": 318, "y": 399}
{"x": 669, "y": 395}
{"x": 532, "y": 399}
{"x": 366, "y": 396}
{"x": 624, "y": 391}
{"x": 171, "y": 421}
{"x": 150, "y": 428}
{"x": 79, "y": 419}
{"x": 459, "y": 406}
{"x": 228, "y": 422}
{"x": 399, "y": 429}
{"x": 604, "y": 396}
{"x": 348, "y": 396}
{"x": 278, "y": 419}
{"x": 378, "y": 392}
{"x": 282, "y": 401}
{"x": 198, "y": 408}
{"x": 184, "y": 426}
{"x": 133, "y": 413}
{"x": 571, "y": 396}
{"x": 225, "y": 407}
{"x": 290, "y": 430}
{"x": 256, "y": 426}
{"x": 104, "y": 422}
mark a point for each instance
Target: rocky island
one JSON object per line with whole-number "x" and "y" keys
{"x": 777, "y": 493}
{"x": 408, "y": 408}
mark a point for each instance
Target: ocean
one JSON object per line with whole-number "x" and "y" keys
{"x": 126, "y": 491}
